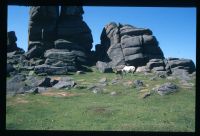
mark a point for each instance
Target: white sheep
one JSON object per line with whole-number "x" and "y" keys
{"x": 128, "y": 69}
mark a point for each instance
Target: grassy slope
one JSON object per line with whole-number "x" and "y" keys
{"x": 89, "y": 111}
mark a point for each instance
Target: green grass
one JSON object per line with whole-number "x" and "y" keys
{"x": 126, "y": 111}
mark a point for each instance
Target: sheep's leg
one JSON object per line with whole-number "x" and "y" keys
{"x": 121, "y": 75}
{"x": 132, "y": 72}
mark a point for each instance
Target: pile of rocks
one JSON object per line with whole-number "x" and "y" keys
{"x": 20, "y": 84}
{"x": 15, "y": 55}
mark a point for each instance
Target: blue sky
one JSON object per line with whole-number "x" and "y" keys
{"x": 174, "y": 28}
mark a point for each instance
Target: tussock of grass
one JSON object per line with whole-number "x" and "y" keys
{"x": 80, "y": 109}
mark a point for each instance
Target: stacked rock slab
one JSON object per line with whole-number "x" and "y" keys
{"x": 127, "y": 45}
{"x": 156, "y": 65}
{"x": 74, "y": 40}
{"x": 61, "y": 58}
{"x": 42, "y": 29}
{"x": 65, "y": 42}
{"x": 72, "y": 28}
{"x": 179, "y": 66}
{"x": 15, "y": 55}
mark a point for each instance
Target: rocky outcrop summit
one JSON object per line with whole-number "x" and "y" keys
{"x": 63, "y": 40}
{"x": 129, "y": 45}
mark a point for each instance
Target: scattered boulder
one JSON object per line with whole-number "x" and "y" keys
{"x": 145, "y": 95}
{"x": 103, "y": 67}
{"x": 138, "y": 83}
{"x": 90, "y": 87}
{"x": 95, "y": 88}
{"x": 80, "y": 72}
{"x": 166, "y": 88}
{"x": 142, "y": 69}
{"x": 16, "y": 84}
{"x": 64, "y": 84}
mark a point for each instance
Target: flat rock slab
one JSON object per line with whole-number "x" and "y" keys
{"x": 166, "y": 88}
{"x": 64, "y": 84}
{"x": 50, "y": 70}
{"x": 138, "y": 83}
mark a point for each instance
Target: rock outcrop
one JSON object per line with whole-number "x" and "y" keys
{"x": 11, "y": 43}
{"x": 127, "y": 45}
{"x": 42, "y": 30}
{"x": 156, "y": 65}
{"x": 15, "y": 55}
{"x": 63, "y": 40}
{"x": 179, "y": 66}
{"x": 42, "y": 26}
{"x": 72, "y": 28}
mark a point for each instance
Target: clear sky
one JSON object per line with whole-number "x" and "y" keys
{"x": 174, "y": 28}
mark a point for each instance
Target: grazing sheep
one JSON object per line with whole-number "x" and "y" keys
{"x": 128, "y": 69}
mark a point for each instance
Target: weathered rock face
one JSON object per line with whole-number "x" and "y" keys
{"x": 178, "y": 66}
{"x": 42, "y": 27}
{"x": 15, "y": 55}
{"x": 63, "y": 40}
{"x": 11, "y": 43}
{"x": 126, "y": 44}
{"x": 156, "y": 65}
{"x": 71, "y": 27}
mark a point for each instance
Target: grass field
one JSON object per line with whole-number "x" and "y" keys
{"x": 80, "y": 109}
